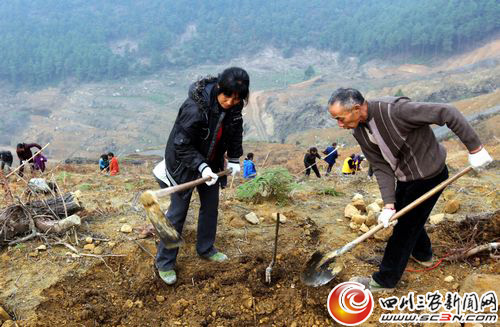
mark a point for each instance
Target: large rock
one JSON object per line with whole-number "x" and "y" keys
{"x": 436, "y": 219}
{"x": 481, "y": 283}
{"x": 358, "y": 219}
{"x": 371, "y": 219}
{"x": 357, "y": 197}
{"x": 452, "y": 206}
{"x": 373, "y": 207}
{"x": 350, "y": 211}
{"x": 359, "y": 204}
{"x": 384, "y": 234}
{"x": 252, "y": 218}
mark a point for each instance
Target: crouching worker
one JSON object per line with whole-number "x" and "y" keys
{"x": 249, "y": 170}
{"x": 209, "y": 124}
{"x": 395, "y": 135}
{"x": 6, "y": 160}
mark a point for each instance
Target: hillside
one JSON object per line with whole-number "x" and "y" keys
{"x": 116, "y": 283}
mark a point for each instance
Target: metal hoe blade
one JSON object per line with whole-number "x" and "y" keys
{"x": 319, "y": 271}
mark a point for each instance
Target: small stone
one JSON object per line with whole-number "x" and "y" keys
{"x": 436, "y": 219}
{"x": 139, "y": 304}
{"x": 214, "y": 313}
{"x": 380, "y": 203}
{"x": 111, "y": 244}
{"x": 89, "y": 247}
{"x": 4, "y": 315}
{"x": 129, "y": 304}
{"x": 452, "y": 206}
{"x": 449, "y": 279}
{"x": 282, "y": 217}
{"x": 123, "y": 220}
{"x": 126, "y": 228}
{"x": 42, "y": 247}
{"x": 89, "y": 240}
{"x": 237, "y": 222}
{"x": 456, "y": 286}
{"x": 358, "y": 219}
{"x": 357, "y": 197}
{"x": 293, "y": 324}
{"x": 160, "y": 298}
{"x": 179, "y": 307}
{"x": 359, "y": 204}
{"x": 247, "y": 301}
{"x": 364, "y": 228}
{"x": 97, "y": 250}
{"x": 252, "y": 218}
{"x": 350, "y": 211}
{"x": 339, "y": 220}
{"x": 33, "y": 254}
{"x": 354, "y": 226}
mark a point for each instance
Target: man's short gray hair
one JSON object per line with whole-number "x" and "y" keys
{"x": 347, "y": 98}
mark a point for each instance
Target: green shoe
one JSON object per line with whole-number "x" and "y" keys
{"x": 217, "y": 257}
{"x": 427, "y": 264}
{"x": 169, "y": 276}
{"x": 371, "y": 284}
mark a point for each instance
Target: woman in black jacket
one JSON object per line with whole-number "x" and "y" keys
{"x": 310, "y": 162}
{"x": 209, "y": 124}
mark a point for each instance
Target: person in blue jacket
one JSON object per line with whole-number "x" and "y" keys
{"x": 249, "y": 171}
{"x": 104, "y": 163}
{"x": 331, "y": 156}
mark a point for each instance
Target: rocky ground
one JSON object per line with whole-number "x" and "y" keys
{"x": 118, "y": 285}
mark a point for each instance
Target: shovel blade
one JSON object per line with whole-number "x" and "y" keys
{"x": 317, "y": 273}
{"x": 164, "y": 228}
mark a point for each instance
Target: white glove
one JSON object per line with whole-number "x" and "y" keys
{"x": 234, "y": 166}
{"x": 207, "y": 172}
{"x": 480, "y": 160}
{"x": 385, "y": 216}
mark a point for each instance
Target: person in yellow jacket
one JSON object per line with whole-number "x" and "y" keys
{"x": 349, "y": 167}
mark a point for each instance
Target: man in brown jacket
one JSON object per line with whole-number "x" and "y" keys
{"x": 395, "y": 136}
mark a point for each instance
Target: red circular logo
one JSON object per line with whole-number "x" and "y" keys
{"x": 350, "y": 303}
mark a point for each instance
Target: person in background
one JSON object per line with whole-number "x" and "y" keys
{"x": 249, "y": 170}
{"x": 349, "y": 167}
{"x": 310, "y": 162}
{"x": 358, "y": 159}
{"x": 40, "y": 161}
{"x": 104, "y": 163}
{"x": 209, "y": 125}
{"x": 114, "y": 169}
{"x": 331, "y": 156}
{"x": 24, "y": 153}
{"x": 396, "y": 136}
{"x": 6, "y": 159}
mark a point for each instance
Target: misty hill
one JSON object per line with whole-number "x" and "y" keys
{"x": 47, "y": 41}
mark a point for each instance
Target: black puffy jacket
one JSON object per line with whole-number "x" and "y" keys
{"x": 192, "y": 139}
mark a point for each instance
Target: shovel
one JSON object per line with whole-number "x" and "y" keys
{"x": 269, "y": 268}
{"x": 320, "y": 269}
{"x": 164, "y": 228}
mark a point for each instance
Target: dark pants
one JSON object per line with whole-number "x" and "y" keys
{"x": 409, "y": 236}
{"x": 207, "y": 223}
{"x": 315, "y": 169}
{"x": 329, "y": 169}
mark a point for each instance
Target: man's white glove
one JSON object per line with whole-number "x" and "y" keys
{"x": 480, "y": 160}
{"x": 207, "y": 172}
{"x": 234, "y": 166}
{"x": 385, "y": 216}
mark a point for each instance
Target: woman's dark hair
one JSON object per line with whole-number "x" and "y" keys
{"x": 20, "y": 145}
{"x": 111, "y": 154}
{"x": 104, "y": 157}
{"x": 313, "y": 149}
{"x": 250, "y": 156}
{"x": 234, "y": 80}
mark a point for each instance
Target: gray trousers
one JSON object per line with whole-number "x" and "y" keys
{"x": 207, "y": 223}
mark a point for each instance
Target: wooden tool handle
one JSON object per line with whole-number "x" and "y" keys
{"x": 409, "y": 207}
{"x": 188, "y": 185}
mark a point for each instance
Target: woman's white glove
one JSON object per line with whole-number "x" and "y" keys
{"x": 207, "y": 172}
{"x": 234, "y": 166}
{"x": 480, "y": 159}
{"x": 385, "y": 216}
